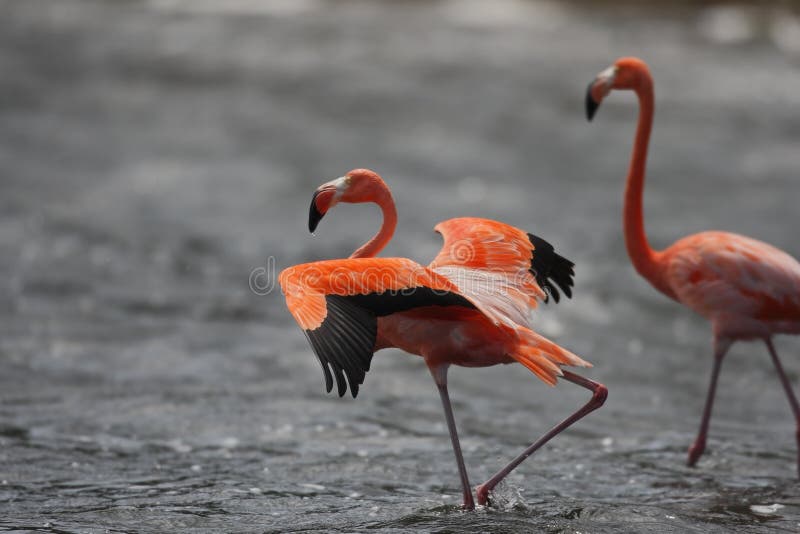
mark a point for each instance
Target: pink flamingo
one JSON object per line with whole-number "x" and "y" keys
{"x": 749, "y": 290}
{"x": 470, "y": 307}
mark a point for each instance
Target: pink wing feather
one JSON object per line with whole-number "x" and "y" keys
{"x": 495, "y": 264}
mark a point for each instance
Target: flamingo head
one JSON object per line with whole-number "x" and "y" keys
{"x": 358, "y": 185}
{"x": 625, "y": 73}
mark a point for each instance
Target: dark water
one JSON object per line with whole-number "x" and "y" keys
{"x": 152, "y": 154}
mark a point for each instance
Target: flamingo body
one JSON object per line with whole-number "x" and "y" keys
{"x": 746, "y": 288}
{"x": 350, "y": 308}
{"x": 460, "y": 336}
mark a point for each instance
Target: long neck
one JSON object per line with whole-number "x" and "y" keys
{"x": 371, "y": 248}
{"x": 643, "y": 257}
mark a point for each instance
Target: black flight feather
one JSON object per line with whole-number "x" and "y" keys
{"x": 551, "y": 270}
{"x": 345, "y": 341}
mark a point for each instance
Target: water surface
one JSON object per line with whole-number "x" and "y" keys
{"x": 152, "y": 154}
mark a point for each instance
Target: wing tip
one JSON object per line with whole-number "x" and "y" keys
{"x": 551, "y": 270}
{"x": 343, "y": 344}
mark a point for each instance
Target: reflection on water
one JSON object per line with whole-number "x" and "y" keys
{"x": 154, "y": 153}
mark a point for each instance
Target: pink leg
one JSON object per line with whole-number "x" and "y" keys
{"x": 599, "y": 394}
{"x": 440, "y": 377}
{"x": 699, "y": 445}
{"x": 789, "y": 393}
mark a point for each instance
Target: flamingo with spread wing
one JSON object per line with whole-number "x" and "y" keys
{"x": 471, "y": 306}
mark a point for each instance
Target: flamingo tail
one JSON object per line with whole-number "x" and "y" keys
{"x": 543, "y": 357}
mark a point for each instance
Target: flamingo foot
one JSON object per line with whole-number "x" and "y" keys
{"x": 469, "y": 503}
{"x": 482, "y": 493}
{"x": 696, "y": 451}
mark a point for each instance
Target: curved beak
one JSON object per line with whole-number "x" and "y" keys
{"x": 591, "y": 105}
{"x": 598, "y": 89}
{"x": 314, "y": 215}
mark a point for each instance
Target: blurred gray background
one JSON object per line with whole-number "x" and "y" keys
{"x": 153, "y": 153}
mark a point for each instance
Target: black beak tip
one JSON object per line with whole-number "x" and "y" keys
{"x": 591, "y": 105}
{"x": 314, "y": 216}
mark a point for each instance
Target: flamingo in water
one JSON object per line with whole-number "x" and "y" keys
{"x": 470, "y": 307}
{"x": 749, "y": 290}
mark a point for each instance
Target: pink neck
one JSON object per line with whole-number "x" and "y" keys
{"x": 383, "y": 198}
{"x": 645, "y": 260}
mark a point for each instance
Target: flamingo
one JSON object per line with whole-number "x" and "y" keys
{"x": 470, "y": 307}
{"x": 749, "y": 290}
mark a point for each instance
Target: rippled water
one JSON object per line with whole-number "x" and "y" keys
{"x": 152, "y": 154}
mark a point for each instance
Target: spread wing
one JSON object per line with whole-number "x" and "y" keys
{"x": 508, "y": 270}
{"x": 337, "y": 303}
